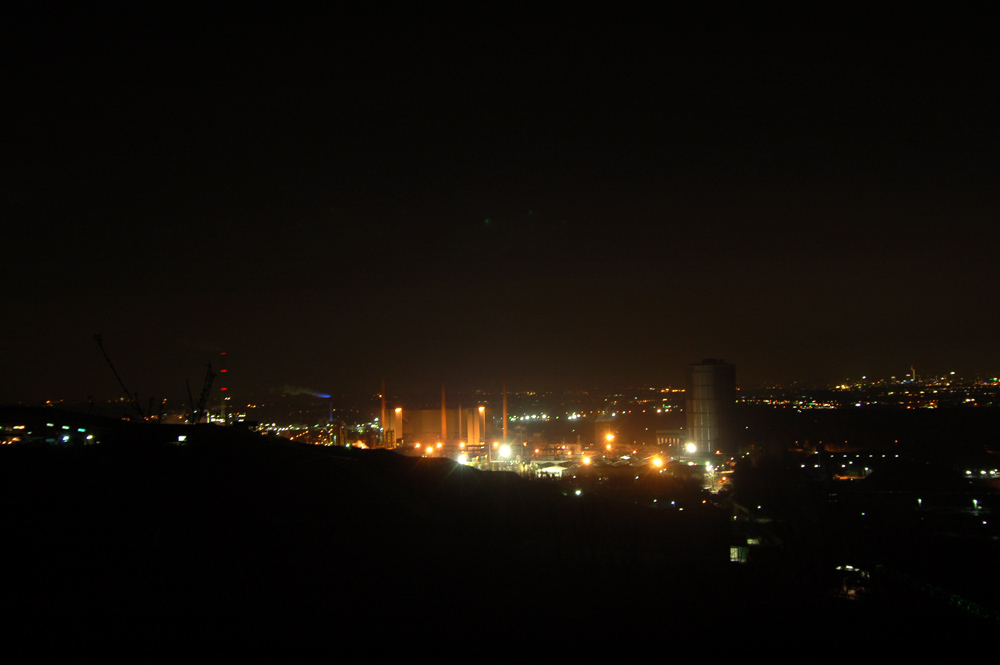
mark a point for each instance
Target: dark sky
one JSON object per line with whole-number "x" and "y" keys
{"x": 567, "y": 198}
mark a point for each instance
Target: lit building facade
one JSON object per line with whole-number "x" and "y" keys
{"x": 473, "y": 426}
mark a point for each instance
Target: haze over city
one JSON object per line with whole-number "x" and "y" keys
{"x": 570, "y": 199}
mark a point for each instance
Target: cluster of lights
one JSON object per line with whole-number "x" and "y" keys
{"x": 65, "y": 434}
{"x": 983, "y": 472}
{"x": 800, "y": 404}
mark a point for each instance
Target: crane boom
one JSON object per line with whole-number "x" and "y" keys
{"x": 198, "y": 411}
{"x": 133, "y": 398}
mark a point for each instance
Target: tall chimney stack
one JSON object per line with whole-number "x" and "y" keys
{"x": 505, "y": 408}
{"x": 444, "y": 417}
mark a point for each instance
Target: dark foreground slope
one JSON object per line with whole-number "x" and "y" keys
{"x": 152, "y": 550}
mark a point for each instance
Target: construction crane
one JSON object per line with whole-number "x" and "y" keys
{"x": 159, "y": 414}
{"x": 198, "y": 411}
{"x": 132, "y": 397}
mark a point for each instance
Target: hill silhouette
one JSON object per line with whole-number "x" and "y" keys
{"x": 233, "y": 538}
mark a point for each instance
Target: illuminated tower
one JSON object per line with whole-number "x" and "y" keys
{"x": 711, "y": 401}
{"x": 397, "y": 426}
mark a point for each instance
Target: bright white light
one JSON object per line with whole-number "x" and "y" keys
{"x": 505, "y": 450}
{"x": 691, "y": 447}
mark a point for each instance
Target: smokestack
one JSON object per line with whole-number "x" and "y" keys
{"x": 381, "y": 422}
{"x": 397, "y": 425}
{"x": 444, "y": 417}
{"x": 505, "y": 408}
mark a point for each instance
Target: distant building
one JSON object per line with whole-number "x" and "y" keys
{"x": 670, "y": 438}
{"x": 711, "y": 401}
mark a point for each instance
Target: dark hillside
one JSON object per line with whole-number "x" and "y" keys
{"x": 150, "y": 548}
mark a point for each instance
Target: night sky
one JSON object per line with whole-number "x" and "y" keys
{"x": 572, "y": 199}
